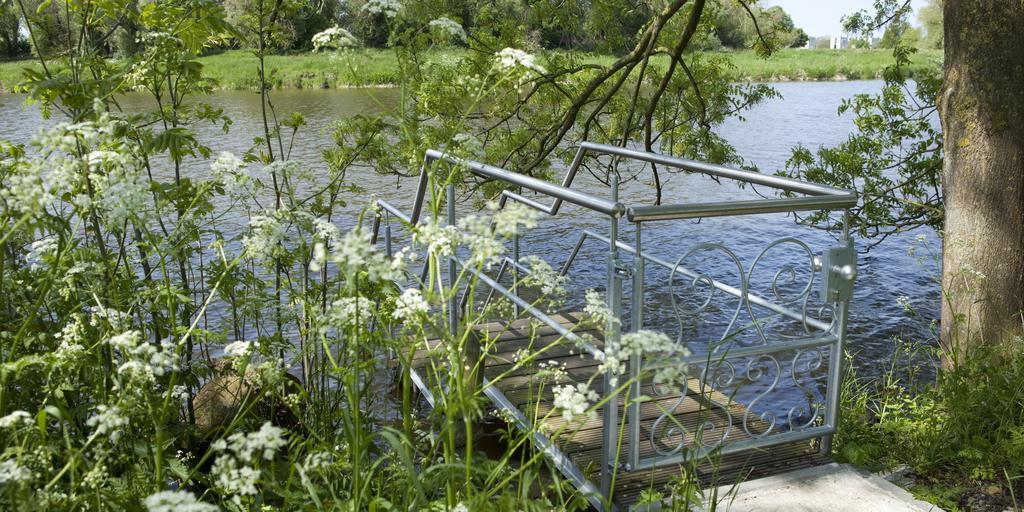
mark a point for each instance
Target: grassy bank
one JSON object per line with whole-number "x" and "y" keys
{"x": 237, "y": 69}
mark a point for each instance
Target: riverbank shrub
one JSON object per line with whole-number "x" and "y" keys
{"x": 961, "y": 431}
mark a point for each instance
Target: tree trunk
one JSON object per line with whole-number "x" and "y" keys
{"x": 982, "y": 112}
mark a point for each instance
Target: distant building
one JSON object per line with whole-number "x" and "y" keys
{"x": 839, "y": 42}
{"x": 876, "y": 41}
{"x": 811, "y": 42}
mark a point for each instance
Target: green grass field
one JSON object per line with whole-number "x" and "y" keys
{"x": 237, "y": 69}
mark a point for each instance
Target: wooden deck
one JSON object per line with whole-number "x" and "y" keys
{"x": 582, "y": 442}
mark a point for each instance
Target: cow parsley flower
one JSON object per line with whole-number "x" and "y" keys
{"x": 449, "y": 27}
{"x": 231, "y": 172}
{"x": 234, "y": 468}
{"x": 410, "y": 305}
{"x": 262, "y": 443}
{"x": 176, "y": 501}
{"x": 239, "y": 349}
{"x": 266, "y": 233}
{"x": 388, "y": 8}
{"x": 597, "y": 310}
{"x": 549, "y": 280}
{"x": 511, "y": 59}
{"x": 40, "y": 251}
{"x": 15, "y": 419}
{"x": 12, "y": 472}
{"x": 354, "y": 253}
{"x": 333, "y": 39}
{"x": 439, "y": 240}
{"x": 348, "y": 312}
{"x": 108, "y": 421}
{"x": 513, "y": 219}
{"x": 574, "y": 401}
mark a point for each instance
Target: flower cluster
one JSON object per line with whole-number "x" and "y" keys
{"x": 141, "y": 362}
{"x": 449, "y": 27}
{"x": 235, "y": 469}
{"x": 575, "y": 401}
{"x": 333, "y": 38}
{"x": 388, "y": 8}
{"x": 511, "y": 59}
{"x": 108, "y": 421}
{"x": 542, "y": 276}
{"x": 266, "y": 234}
{"x": 176, "y": 501}
{"x": 12, "y": 472}
{"x": 353, "y": 254}
{"x": 410, "y": 305}
{"x": 15, "y": 419}
{"x": 239, "y": 349}
{"x": 232, "y": 173}
{"x": 349, "y": 312}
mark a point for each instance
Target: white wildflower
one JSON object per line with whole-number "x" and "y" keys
{"x": 231, "y": 173}
{"x": 904, "y": 302}
{"x": 176, "y": 501}
{"x": 319, "y": 257}
{"x": 240, "y": 349}
{"x": 179, "y": 393}
{"x": 484, "y": 248}
{"x": 510, "y": 59}
{"x": 266, "y": 233}
{"x": 388, "y": 8}
{"x": 12, "y": 472}
{"x": 108, "y": 421}
{"x": 449, "y": 27}
{"x": 15, "y": 419}
{"x": 550, "y": 281}
{"x": 513, "y": 218}
{"x": 574, "y": 401}
{"x": 262, "y": 443}
{"x": 126, "y": 341}
{"x": 439, "y": 240}
{"x": 40, "y": 251}
{"x": 353, "y": 254}
{"x": 333, "y": 38}
{"x": 597, "y": 310}
{"x": 461, "y": 507}
{"x": 410, "y": 305}
{"x": 235, "y": 478}
{"x": 349, "y": 312}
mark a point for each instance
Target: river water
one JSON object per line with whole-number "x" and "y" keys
{"x": 806, "y": 114}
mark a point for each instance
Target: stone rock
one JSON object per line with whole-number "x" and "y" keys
{"x": 221, "y": 398}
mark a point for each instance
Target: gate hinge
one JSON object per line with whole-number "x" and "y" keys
{"x": 838, "y": 267}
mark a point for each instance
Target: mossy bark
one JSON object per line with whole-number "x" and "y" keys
{"x": 982, "y": 113}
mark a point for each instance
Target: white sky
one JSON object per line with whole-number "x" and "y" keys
{"x": 821, "y": 17}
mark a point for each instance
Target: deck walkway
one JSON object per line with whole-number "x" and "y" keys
{"x": 583, "y": 444}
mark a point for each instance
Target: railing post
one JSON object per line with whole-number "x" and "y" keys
{"x": 387, "y": 235}
{"x": 610, "y": 445}
{"x": 835, "y": 377}
{"x": 635, "y": 324}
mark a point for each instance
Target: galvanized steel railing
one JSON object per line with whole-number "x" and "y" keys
{"x": 716, "y": 366}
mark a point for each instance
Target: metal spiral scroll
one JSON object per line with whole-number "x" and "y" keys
{"x": 719, "y": 380}
{"x": 814, "y": 364}
{"x": 788, "y": 271}
{"x": 756, "y": 370}
{"x": 702, "y": 279}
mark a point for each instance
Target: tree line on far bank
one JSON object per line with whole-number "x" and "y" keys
{"x": 606, "y": 26}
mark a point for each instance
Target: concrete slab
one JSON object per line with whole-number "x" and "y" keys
{"x": 831, "y": 488}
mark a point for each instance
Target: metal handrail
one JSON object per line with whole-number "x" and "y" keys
{"x": 753, "y": 298}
